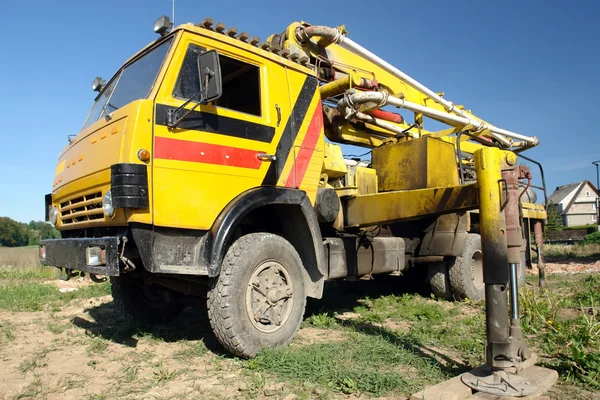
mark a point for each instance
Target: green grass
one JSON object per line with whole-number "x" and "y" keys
{"x": 97, "y": 345}
{"x": 191, "y": 350}
{"x": 322, "y": 320}
{"x": 6, "y": 331}
{"x": 162, "y": 374}
{"x": 564, "y": 251}
{"x": 34, "y": 296}
{"x": 374, "y": 362}
{"x": 570, "y": 345}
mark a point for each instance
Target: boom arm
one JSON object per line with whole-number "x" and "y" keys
{"x": 347, "y": 65}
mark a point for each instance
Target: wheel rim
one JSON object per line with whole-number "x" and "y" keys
{"x": 477, "y": 270}
{"x": 269, "y": 296}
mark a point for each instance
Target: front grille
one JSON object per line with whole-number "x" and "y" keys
{"x": 82, "y": 209}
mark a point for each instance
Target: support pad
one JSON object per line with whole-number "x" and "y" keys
{"x": 455, "y": 389}
{"x": 498, "y": 383}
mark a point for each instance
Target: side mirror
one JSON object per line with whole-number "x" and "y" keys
{"x": 209, "y": 73}
{"x": 98, "y": 84}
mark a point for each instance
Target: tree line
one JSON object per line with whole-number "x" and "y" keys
{"x": 14, "y": 233}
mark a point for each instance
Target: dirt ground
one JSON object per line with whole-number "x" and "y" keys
{"x": 74, "y": 354}
{"x": 86, "y": 351}
{"x": 569, "y": 266}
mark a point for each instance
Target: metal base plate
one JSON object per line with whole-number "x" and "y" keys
{"x": 498, "y": 383}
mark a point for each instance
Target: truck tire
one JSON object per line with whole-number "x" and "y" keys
{"x": 439, "y": 280}
{"x": 466, "y": 272}
{"x": 258, "y": 299}
{"x": 142, "y": 305}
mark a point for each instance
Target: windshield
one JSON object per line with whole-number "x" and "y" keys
{"x": 132, "y": 83}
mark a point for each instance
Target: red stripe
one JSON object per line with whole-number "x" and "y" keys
{"x": 185, "y": 150}
{"x": 307, "y": 148}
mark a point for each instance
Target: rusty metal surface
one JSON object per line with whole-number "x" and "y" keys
{"x": 388, "y": 207}
{"x": 446, "y": 237}
{"x": 538, "y": 229}
{"x": 514, "y": 230}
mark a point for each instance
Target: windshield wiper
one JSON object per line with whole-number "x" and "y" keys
{"x": 105, "y": 111}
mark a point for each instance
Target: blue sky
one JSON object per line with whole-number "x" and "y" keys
{"x": 527, "y": 66}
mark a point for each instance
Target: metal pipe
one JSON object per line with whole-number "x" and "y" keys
{"x": 380, "y": 123}
{"x": 328, "y": 35}
{"x": 514, "y": 292}
{"x": 346, "y": 107}
{"x": 339, "y": 86}
{"x": 334, "y": 35}
{"x": 492, "y": 226}
{"x": 496, "y": 132}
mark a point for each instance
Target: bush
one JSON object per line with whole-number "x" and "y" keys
{"x": 592, "y": 238}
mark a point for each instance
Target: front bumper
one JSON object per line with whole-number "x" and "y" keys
{"x": 71, "y": 254}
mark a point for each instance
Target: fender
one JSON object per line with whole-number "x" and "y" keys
{"x": 223, "y": 229}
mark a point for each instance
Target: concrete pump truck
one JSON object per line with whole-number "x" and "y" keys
{"x": 210, "y": 167}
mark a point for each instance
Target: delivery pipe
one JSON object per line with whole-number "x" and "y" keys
{"x": 346, "y": 107}
{"x": 334, "y": 35}
{"x": 369, "y": 119}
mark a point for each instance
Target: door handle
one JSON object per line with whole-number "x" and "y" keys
{"x": 266, "y": 157}
{"x": 278, "y": 114}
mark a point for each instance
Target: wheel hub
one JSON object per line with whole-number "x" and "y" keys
{"x": 269, "y": 296}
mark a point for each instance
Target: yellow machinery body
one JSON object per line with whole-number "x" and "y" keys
{"x": 178, "y": 178}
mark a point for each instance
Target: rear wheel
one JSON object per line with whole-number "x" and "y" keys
{"x": 258, "y": 300}
{"x": 466, "y": 272}
{"x": 439, "y": 281}
{"x": 140, "y": 304}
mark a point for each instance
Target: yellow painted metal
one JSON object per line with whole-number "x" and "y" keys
{"x": 416, "y": 164}
{"x": 333, "y": 162}
{"x": 366, "y": 180}
{"x": 339, "y": 85}
{"x": 488, "y": 163}
{"x": 193, "y": 184}
{"x": 381, "y": 208}
{"x": 534, "y": 211}
{"x": 191, "y": 194}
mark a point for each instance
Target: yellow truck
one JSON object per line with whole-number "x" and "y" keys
{"x": 210, "y": 166}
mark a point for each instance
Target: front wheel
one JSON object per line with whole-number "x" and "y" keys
{"x": 258, "y": 299}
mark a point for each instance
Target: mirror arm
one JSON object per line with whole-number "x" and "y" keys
{"x": 173, "y": 114}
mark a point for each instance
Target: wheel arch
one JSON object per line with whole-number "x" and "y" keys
{"x": 286, "y": 212}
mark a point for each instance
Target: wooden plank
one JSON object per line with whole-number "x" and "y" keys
{"x": 206, "y": 23}
{"x": 543, "y": 378}
{"x": 454, "y": 389}
{"x": 220, "y": 27}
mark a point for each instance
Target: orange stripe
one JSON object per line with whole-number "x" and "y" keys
{"x": 307, "y": 148}
{"x": 206, "y": 153}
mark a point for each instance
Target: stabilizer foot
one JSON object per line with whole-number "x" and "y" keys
{"x": 542, "y": 379}
{"x": 498, "y": 383}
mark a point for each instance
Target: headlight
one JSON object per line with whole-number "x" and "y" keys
{"x": 53, "y": 215}
{"x": 107, "y": 205}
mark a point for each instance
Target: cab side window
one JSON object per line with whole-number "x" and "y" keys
{"x": 241, "y": 82}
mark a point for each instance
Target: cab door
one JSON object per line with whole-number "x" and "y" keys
{"x": 220, "y": 149}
